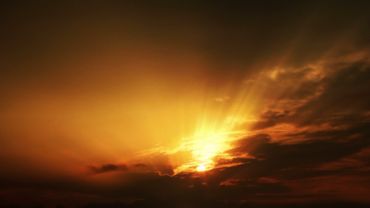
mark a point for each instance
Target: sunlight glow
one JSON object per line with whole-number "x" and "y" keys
{"x": 206, "y": 147}
{"x": 201, "y": 168}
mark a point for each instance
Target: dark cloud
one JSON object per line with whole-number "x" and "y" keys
{"x": 270, "y": 118}
{"x": 317, "y": 147}
{"x": 108, "y": 168}
{"x": 339, "y": 98}
{"x": 345, "y": 95}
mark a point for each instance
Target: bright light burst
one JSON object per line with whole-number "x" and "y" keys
{"x": 206, "y": 147}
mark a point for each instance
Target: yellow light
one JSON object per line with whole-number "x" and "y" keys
{"x": 206, "y": 147}
{"x": 201, "y": 168}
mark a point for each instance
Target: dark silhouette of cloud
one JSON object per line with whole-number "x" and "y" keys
{"x": 108, "y": 168}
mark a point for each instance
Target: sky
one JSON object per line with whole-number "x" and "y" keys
{"x": 185, "y": 104}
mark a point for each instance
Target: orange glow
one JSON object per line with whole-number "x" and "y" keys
{"x": 201, "y": 168}
{"x": 205, "y": 147}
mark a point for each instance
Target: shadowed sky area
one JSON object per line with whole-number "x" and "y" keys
{"x": 185, "y": 104}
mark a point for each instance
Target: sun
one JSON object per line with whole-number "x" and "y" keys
{"x": 201, "y": 168}
{"x": 206, "y": 147}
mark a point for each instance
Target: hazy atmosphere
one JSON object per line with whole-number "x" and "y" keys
{"x": 185, "y": 104}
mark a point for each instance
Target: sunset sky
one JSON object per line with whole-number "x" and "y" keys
{"x": 185, "y": 104}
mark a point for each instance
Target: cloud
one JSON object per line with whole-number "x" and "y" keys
{"x": 337, "y": 96}
{"x": 342, "y": 94}
{"x": 104, "y": 168}
{"x": 269, "y": 118}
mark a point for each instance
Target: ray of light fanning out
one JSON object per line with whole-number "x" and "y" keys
{"x": 220, "y": 121}
{"x": 206, "y": 145}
